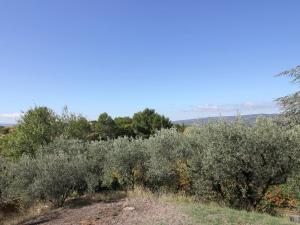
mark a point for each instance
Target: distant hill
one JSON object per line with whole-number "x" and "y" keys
{"x": 248, "y": 118}
{"x": 7, "y": 125}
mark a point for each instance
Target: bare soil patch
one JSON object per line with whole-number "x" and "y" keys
{"x": 128, "y": 211}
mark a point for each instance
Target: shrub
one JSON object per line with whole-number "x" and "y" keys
{"x": 58, "y": 175}
{"x": 71, "y": 147}
{"x": 126, "y": 162}
{"x": 22, "y": 176}
{"x": 3, "y": 180}
{"x": 74, "y": 126}
{"x": 96, "y": 158}
{"x": 16, "y": 180}
{"x": 169, "y": 155}
{"x": 240, "y": 162}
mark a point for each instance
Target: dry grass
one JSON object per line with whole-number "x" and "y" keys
{"x": 14, "y": 218}
{"x": 211, "y": 213}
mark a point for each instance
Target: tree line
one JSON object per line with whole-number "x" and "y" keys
{"x": 41, "y": 125}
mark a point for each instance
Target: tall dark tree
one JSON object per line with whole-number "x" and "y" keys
{"x": 106, "y": 127}
{"x": 145, "y": 123}
{"x": 124, "y": 126}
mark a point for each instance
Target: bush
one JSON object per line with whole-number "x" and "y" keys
{"x": 75, "y": 126}
{"x": 16, "y": 180}
{"x": 71, "y": 147}
{"x": 58, "y": 175}
{"x": 3, "y": 180}
{"x": 22, "y": 175}
{"x": 96, "y": 159}
{"x": 168, "y": 164}
{"x": 240, "y": 162}
{"x": 126, "y": 162}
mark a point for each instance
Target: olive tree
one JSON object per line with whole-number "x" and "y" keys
{"x": 169, "y": 160}
{"x": 239, "y": 162}
{"x": 71, "y": 147}
{"x": 126, "y": 161}
{"x": 58, "y": 175}
{"x": 17, "y": 179}
{"x": 96, "y": 159}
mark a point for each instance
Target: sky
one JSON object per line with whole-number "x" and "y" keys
{"x": 184, "y": 58}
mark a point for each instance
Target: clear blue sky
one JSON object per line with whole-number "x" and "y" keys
{"x": 186, "y": 59}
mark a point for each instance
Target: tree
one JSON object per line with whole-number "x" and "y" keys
{"x": 291, "y": 103}
{"x": 126, "y": 161}
{"x": 96, "y": 161}
{"x": 238, "y": 162}
{"x": 168, "y": 163}
{"x": 58, "y": 175}
{"x": 75, "y": 126}
{"x": 106, "y": 127}
{"x": 146, "y": 123}
{"x": 124, "y": 126}
{"x": 37, "y": 127}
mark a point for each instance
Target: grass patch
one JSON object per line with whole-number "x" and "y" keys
{"x": 211, "y": 214}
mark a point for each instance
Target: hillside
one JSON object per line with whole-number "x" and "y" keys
{"x": 248, "y": 118}
{"x": 139, "y": 207}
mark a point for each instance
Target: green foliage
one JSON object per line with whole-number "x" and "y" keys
{"x": 126, "y": 162}
{"x": 231, "y": 162}
{"x": 4, "y": 130}
{"x": 37, "y": 127}
{"x": 40, "y": 126}
{"x": 57, "y": 169}
{"x": 147, "y": 122}
{"x": 240, "y": 162}
{"x": 96, "y": 160}
{"x": 291, "y": 103}
{"x": 68, "y": 146}
{"x": 124, "y": 126}
{"x": 106, "y": 127}
{"x": 58, "y": 175}
{"x": 180, "y": 127}
{"x": 169, "y": 151}
{"x": 75, "y": 126}
{"x": 21, "y": 176}
{"x": 3, "y": 181}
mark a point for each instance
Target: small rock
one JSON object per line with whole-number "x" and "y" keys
{"x": 128, "y": 208}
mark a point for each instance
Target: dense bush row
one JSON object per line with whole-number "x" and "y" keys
{"x": 235, "y": 163}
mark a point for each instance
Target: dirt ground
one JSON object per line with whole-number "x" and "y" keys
{"x": 136, "y": 211}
